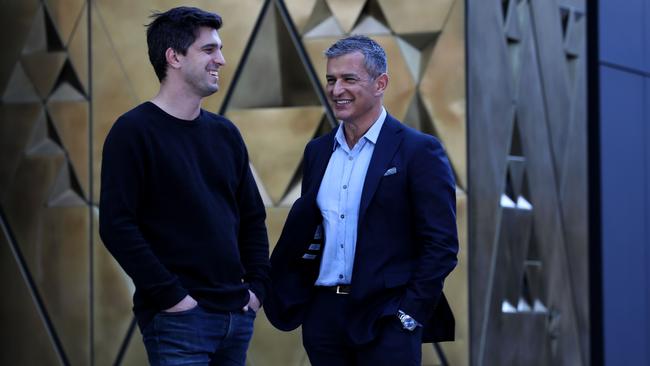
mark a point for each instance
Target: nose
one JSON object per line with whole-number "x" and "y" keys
{"x": 219, "y": 59}
{"x": 337, "y": 89}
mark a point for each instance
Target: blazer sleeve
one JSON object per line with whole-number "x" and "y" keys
{"x": 433, "y": 204}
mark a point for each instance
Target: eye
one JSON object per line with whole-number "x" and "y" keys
{"x": 209, "y": 49}
{"x": 331, "y": 81}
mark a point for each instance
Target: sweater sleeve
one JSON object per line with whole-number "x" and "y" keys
{"x": 122, "y": 187}
{"x": 253, "y": 239}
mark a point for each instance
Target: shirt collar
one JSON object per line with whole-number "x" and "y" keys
{"x": 371, "y": 135}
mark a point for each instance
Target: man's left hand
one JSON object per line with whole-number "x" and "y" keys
{"x": 253, "y": 302}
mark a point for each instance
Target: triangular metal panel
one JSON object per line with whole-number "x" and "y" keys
{"x": 66, "y": 93}
{"x": 78, "y": 50}
{"x": 512, "y": 26}
{"x": 22, "y": 316}
{"x": 301, "y": 11}
{"x": 112, "y": 294}
{"x": 412, "y": 57}
{"x": 264, "y": 58}
{"x": 42, "y": 142}
{"x": 443, "y": 96}
{"x": 346, "y": 12}
{"x": 68, "y": 76}
{"x": 262, "y": 128}
{"x": 516, "y": 171}
{"x": 16, "y": 126}
{"x": 71, "y": 121}
{"x": 416, "y": 16}
{"x": 327, "y": 28}
{"x": 549, "y": 40}
{"x": 369, "y": 25}
{"x": 43, "y": 69}
{"x": 534, "y": 122}
{"x": 20, "y": 88}
{"x": 65, "y": 269}
{"x": 489, "y": 137}
{"x": 37, "y": 37}
{"x": 65, "y": 191}
{"x": 65, "y": 16}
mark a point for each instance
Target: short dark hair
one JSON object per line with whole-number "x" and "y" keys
{"x": 374, "y": 56}
{"x": 176, "y": 28}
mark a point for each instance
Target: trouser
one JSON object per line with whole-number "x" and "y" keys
{"x": 327, "y": 343}
{"x": 199, "y": 337}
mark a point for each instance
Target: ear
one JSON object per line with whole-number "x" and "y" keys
{"x": 172, "y": 58}
{"x": 381, "y": 83}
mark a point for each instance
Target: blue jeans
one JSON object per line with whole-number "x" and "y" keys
{"x": 199, "y": 337}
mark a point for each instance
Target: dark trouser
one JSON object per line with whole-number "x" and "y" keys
{"x": 199, "y": 337}
{"x": 325, "y": 340}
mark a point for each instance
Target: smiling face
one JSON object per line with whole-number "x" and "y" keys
{"x": 355, "y": 97}
{"x": 200, "y": 65}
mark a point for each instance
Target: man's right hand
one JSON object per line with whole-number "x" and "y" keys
{"x": 186, "y": 304}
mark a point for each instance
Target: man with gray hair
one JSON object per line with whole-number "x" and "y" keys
{"x": 364, "y": 252}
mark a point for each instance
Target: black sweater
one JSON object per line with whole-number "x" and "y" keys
{"x": 180, "y": 211}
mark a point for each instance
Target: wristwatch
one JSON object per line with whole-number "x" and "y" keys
{"x": 408, "y": 323}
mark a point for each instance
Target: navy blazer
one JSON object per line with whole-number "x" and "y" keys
{"x": 406, "y": 240}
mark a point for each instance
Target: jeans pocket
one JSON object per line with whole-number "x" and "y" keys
{"x": 179, "y": 313}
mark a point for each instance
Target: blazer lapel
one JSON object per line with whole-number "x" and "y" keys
{"x": 387, "y": 144}
{"x": 323, "y": 153}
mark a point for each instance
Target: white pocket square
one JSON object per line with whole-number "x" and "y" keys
{"x": 390, "y": 171}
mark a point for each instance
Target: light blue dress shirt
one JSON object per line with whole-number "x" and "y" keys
{"x": 339, "y": 198}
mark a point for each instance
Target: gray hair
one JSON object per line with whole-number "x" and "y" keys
{"x": 374, "y": 55}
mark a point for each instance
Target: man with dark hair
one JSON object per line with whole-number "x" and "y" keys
{"x": 364, "y": 252}
{"x": 179, "y": 208}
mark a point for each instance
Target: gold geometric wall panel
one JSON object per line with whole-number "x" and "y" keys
{"x": 78, "y": 48}
{"x": 346, "y": 12}
{"x": 70, "y": 119}
{"x": 16, "y": 19}
{"x": 23, "y": 332}
{"x": 19, "y": 88}
{"x": 62, "y": 277}
{"x": 45, "y": 126}
{"x": 300, "y": 11}
{"x": 416, "y": 16}
{"x": 15, "y": 131}
{"x": 113, "y": 291}
{"x": 52, "y": 133}
{"x": 276, "y": 138}
{"x": 269, "y": 346}
{"x": 65, "y": 14}
{"x": 135, "y": 354}
{"x": 443, "y": 90}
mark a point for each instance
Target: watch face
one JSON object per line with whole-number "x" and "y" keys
{"x": 409, "y": 323}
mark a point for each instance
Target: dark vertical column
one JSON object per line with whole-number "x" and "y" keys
{"x": 624, "y": 72}
{"x": 593, "y": 146}
{"x": 91, "y": 193}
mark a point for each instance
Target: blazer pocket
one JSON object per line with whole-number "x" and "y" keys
{"x": 396, "y": 279}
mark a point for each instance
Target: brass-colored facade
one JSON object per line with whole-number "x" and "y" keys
{"x": 71, "y": 67}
